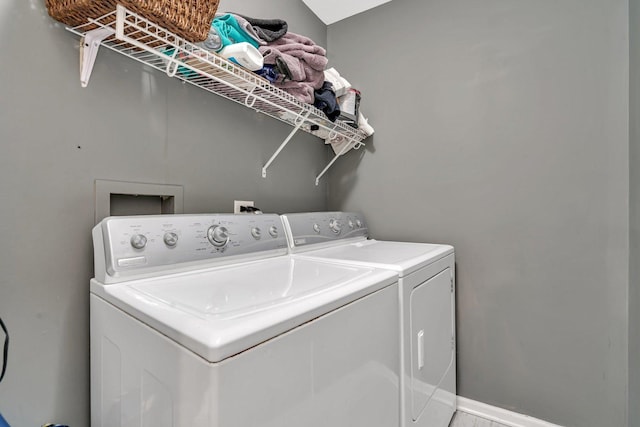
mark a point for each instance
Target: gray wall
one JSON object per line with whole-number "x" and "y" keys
{"x": 130, "y": 124}
{"x": 634, "y": 220}
{"x": 502, "y": 128}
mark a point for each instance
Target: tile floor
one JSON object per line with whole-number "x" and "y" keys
{"x": 462, "y": 419}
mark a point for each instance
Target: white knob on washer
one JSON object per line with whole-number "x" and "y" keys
{"x": 335, "y": 226}
{"x": 256, "y": 233}
{"x": 273, "y": 231}
{"x": 218, "y": 236}
{"x": 316, "y": 228}
{"x": 138, "y": 241}
{"x": 170, "y": 239}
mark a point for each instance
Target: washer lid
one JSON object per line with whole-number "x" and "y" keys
{"x": 403, "y": 257}
{"x": 223, "y": 311}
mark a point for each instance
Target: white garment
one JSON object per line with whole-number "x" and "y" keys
{"x": 340, "y": 84}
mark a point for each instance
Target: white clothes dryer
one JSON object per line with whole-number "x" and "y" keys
{"x": 204, "y": 320}
{"x": 426, "y": 297}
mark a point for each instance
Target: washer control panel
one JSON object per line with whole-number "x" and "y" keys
{"x": 138, "y": 242}
{"x": 321, "y": 227}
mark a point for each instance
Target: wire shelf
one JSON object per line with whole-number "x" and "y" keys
{"x": 140, "y": 39}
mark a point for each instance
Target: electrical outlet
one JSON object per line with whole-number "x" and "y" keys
{"x": 238, "y": 203}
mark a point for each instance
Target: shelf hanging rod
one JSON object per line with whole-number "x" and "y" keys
{"x": 251, "y": 98}
{"x": 300, "y": 119}
{"x": 172, "y": 65}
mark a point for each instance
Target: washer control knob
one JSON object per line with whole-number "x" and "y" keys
{"x": 256, "y": 233}
{"x": 358, "y": 223}
{"x": 218, "y": 236}
{"x": 170, "y": 239}
{"x": 138, "y": 241}
{"x": 273, "y": 231}
{"x": 350, "y": 224}
{"x": 335, "y": 226}
{"x": 316, "y": 228}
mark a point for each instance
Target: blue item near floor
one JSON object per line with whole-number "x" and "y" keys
{"x": 3, "y": 422}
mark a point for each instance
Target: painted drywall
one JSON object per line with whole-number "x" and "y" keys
{"x": 634, "y": 214}
{"x": 502, "y": 128}
{"x": 131, "y": 124}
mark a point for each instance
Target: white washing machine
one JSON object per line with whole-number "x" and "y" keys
{"x": 426, "y": 297}
{"x": 204, "y": 320}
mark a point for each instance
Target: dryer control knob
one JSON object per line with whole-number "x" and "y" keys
{"x": 273, "y": 231}
{"x": 316, "y": 228}
{"x": 218, "y": 236}
{"x": 170, "y": 239}
{"x": 138, "y": 241}
{"x": 256, "y": 233}
{"x": 358, "y": 223}
{"x": 335, "y": 226}
{"x": 350, "y": 224}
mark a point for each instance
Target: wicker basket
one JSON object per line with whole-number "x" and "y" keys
{"x": 189, "y": 19}
{"x": 76, "y": 12}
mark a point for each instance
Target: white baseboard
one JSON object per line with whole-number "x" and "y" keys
{"x": 502, "y": 416}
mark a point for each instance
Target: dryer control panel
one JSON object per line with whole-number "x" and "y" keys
{"x": 304, "y": 229}
{"x": 139, "y": 243}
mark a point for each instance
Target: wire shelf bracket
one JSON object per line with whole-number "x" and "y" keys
{"x": 89, "y": 45}
{"x": 142, "y": 40}
{"x": 284, "y": 143}
{"x": 350, "y": 144}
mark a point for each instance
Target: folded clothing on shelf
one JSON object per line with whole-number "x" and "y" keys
{"x": 325, "y": 100}
{"x": 234, "y": 38}
{"x": 302, "y": 62}
{"x": 340, "y": 84}
{"x": 245, "y": 25}
{"x": 230, "y": 31}
{"x": 267, "y": 29}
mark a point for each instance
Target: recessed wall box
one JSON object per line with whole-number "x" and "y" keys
{"x": 117, "y": 198}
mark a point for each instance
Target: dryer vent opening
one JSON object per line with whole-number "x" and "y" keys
{"x": 138, "y": 204}
{"x": 118, "y": 198}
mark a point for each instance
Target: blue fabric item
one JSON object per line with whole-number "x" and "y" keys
{"x": 325, "y": 100}
{"x": 3, "y": 422}
{"x": 268, "y": 72}
{"x": 231, "y": 32}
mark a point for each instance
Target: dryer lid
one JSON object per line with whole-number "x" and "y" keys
{"x": 403, "y": 257}
{"x": 223, "y": 311}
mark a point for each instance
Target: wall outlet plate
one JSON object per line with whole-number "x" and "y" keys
{"x": 238, "y": 203}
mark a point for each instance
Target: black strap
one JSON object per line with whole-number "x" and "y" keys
{"x": 6, "y": 349}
